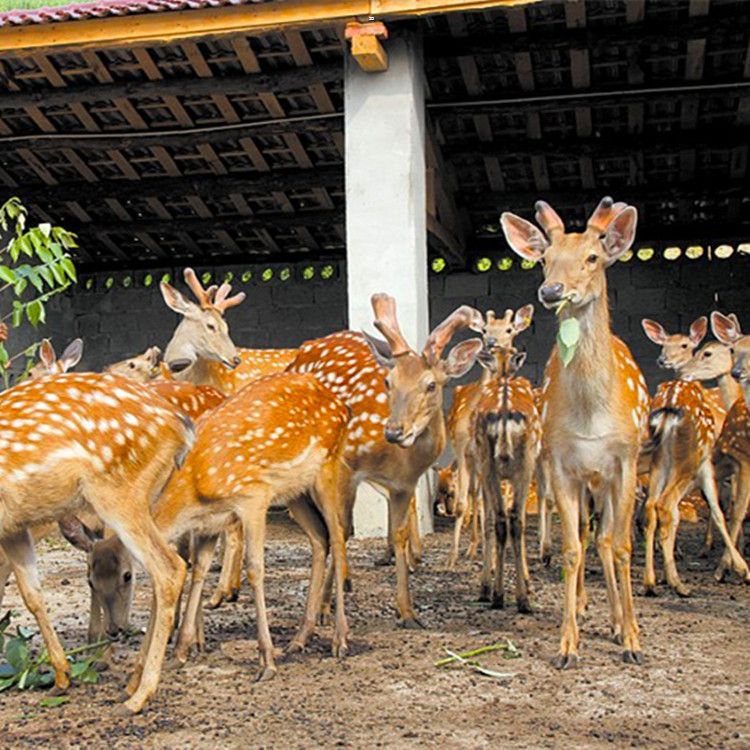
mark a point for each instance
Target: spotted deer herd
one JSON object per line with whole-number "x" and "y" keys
{"x": 151, "y": 461}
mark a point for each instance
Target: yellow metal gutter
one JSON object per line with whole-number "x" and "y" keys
{"x": 149, "y": 28}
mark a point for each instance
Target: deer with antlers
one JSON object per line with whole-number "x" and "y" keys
{"x": 397, "y": 429}
{"x": 594, "y": 407}
{"x": 507, "y": 435}
{"x": 107, "y": 442}
{"x": 499, "y": 336}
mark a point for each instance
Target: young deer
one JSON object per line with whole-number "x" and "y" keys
{"x": 732, "y": 451}
{"x": 594, "y": 409}
{"x": 682, "y": 434}
{"x": 109, "y": 443}
{"x": 143, "y": 368}
{"x": 278, "y": 440}
{"x": 498, "y": 341}
{"x": 49, "y": 364}
{"x": 507, "y": 436}
{"x": 395, "y": 394}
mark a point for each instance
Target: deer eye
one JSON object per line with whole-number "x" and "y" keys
{"x": 210, "y": 326}
{"x": 707, "y": 354}
{"x": 431, "y": 386}
{"x": 387, "y": 384}
{"x": 592, "y": 258}
{"x": 131, "y": 365}
{"x": 684, "y": 346}
{"x": 127, "y": 576}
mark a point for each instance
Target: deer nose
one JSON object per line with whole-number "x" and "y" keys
{"x": 490, "y": 342}
{"x": 237, "y": 360}
{"x": 551, "y": 293}
{"x": 737, "y": 372}
{"x": 393, "y": 434}
{"x": 661, "y": 360}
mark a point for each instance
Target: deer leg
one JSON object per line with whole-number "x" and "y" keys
{"x": 230, "y": 578}
{"x": 707, "y": 482}
{"x": 517, "y": 535}
{"x": 583, "y": 534}
{"x": 415, "y": 539}
{"x": 739, "y": 511}
{"x": 254, "y": 522}
{"x": 656, "y": 488}
{"x": 203, "y": 552}
{"x": 492, "y": 489}
{"x": 19, "y": 549}
{"x": 460, "y": 508}
{"x": 567, "y": 496}
{"x": 477, "y": 521}
{"x": 604, "y": 536}
{"x": 5, "y": 570}
{"x": 545, "y": 513}
{"x": 668, "y": 509}
{"x": 399, "y": 512}
{"x": 488, "y": 546}
{"x": 308, "y": 517}
{"x": 623, "y": 500}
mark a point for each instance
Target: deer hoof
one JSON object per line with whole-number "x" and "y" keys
{"x": 632, "y": 657}
{"x": 233, "y": 596}
{"x": 410, "y": 623}
{"x": 339, "y": 650}
{"x": 214, "y": 602}
{"x": 295, "y": 647}
{"x": 523, "y": 606}
{"x": 565, "y": 661}
{"x": 348, "y": 587}
{"x": 682, "y": 591}
{"x": 649, "y": 590}
{"x": 617, "y": 637}
{"x": 266, "y": 674}
{"x": 498, "y": 602}
{"x": 547, "y": 559}
{"x": 485, "y": 595}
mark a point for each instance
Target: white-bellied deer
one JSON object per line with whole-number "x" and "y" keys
{"x": 594, "y": 409}
{"x": 142, "y": 368}
{"x": 71, "y": 439}
{"x": 682, "y": 434}
{"x": 732, "y": 451}
{"x": 498, "y": 341}
{"x": 279, "y": 440}
{"x": 507, "y": 435}
{"x": 395, "y": 394}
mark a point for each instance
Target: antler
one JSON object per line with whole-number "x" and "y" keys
{"x": 202, "y": 295}
{"x": 463, "y": 317}
{"x": 384, "y": 307}
{"x": 548, "y": 219}
{"x": 222, "y": 302}
{"x": 604, "y": 214}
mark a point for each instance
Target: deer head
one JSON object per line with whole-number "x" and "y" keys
{"x": 712, "y": 360}
{"x": 142, "y": 368}
{"x": 49, "y": 364}
{"x": 501, "y": 332}
{"x": 415, "y": 380}
{"x": 676, "y": 348}
{"x": 203, "y": 332}
{"x": 574, "y": 263}
{"x": 726, "y": 328}
{"x": 112, "y": 581}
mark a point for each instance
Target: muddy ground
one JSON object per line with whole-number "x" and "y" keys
{"x": 692, "y": 691}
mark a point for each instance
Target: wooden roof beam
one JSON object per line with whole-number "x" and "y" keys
{"x": 366, "y": 48}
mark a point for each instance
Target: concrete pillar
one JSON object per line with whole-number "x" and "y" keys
{"x": 386, "y": 232}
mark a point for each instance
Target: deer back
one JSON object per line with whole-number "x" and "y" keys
{"x": 734, "y": 439}
{"x": 192, "y": 400}
{"x": 254, "y": 364}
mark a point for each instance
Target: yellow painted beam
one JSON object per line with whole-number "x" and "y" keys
{"x": 147, "y": 28}
{"x": 369, "y": 54}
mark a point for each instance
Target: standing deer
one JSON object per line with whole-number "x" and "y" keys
{"x": 594, "y": 409}
{"x": 107, "y": 442}
{"x": 733, "y": 447}
{"x": 397, "y": 429}
{"x": 507, "y": 435}
{"x": 498, "y": 340}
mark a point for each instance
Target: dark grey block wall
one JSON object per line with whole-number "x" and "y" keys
{"x": 119, "y": 322}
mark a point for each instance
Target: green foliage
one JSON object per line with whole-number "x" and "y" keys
{"x": 568, "y": 335}
{"x": 24, "y": 670}
{"x": 35, "y": 265}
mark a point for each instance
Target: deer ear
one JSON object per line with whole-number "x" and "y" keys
{"x": 522, "y": 318}
{"x": 517, "y": 362}
{"x": 381, "y": 350}
{"x": 524, "y": 238}
{"x": 654, "y": 331}
{"x": 175, "y": 301}
{"x": 620, "y": 234}
{"x": 698, "y": 330}
{"x": 725, "y": 329}
{"x": 461, "y": 358}
{"x": 72, "y": 354}
{"x": 735, "y": 320}
{"x": 47, "y": 354}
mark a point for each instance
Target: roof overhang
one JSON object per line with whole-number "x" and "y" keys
{"x": 169, "y": 26}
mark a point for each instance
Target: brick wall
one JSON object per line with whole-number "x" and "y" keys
{"x": 119, "y": 322}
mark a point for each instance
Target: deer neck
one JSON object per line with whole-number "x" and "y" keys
{"x": 432, "y": 441}
{"x": 202, "y": 372}
{"x": 588, "y": 382}
{"x": 730, "y": 390}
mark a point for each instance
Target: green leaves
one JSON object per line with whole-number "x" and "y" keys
{"x": 54, "y": 701}
{"x": 568, "y": 335}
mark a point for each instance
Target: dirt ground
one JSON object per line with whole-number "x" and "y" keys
{"x": 692, "y": 690}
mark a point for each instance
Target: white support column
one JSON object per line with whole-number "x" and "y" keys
{"x": 386, "y": 233}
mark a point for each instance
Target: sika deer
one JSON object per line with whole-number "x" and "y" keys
{"x": 397, "y": 429}
{"x": 594, "y": 409}
{"x": 49, "y": 364}
{"x": 507, "y": 437}
{"x": 278, "y": 440}
{"x": 682, "y": 433}
{"x": 498, "y": 341}
{"x": 142, "y": 368}
{"x": 109, "y": 443}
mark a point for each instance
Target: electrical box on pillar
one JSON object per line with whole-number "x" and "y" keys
{"x": 366, "y": 47}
